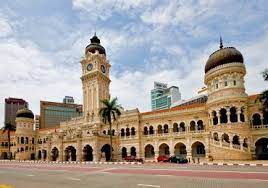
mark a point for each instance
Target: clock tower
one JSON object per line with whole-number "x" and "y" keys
{"x": 95, "y": 78}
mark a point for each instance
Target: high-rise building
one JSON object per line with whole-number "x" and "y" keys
{"x": 162, "y": 96}
{"x": 68, "y": 100}
{"x": 36, "y": 122}
{"x": 12, "y": 105}
{"x": 52, "y": 113}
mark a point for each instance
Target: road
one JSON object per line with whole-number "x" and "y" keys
{"x": 22, "y": 175}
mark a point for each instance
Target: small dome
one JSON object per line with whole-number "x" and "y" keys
{"x": 95, "y": 45}
{"x": 223, "y": 56}
{"x": 25, "y": 113}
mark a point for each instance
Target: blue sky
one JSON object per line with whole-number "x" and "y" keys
{"x": 42, "y": 41}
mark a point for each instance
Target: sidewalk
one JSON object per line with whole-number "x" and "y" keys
{"x": 234, "y": 163}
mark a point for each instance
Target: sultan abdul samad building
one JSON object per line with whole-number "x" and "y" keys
{"x": 228, "y": 125}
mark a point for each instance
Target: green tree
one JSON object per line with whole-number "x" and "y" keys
{"x": 110, "y": 111}
{"x": 263, "y": 98}
{"x": 8, "y": 127}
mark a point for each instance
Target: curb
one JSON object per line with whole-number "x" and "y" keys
{"x": 233, "y": 164}
{"x": 70, "y": 162}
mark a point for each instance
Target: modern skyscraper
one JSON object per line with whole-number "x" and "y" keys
{"x": 12, "y": 105}
{"x": 162, "y": 96}
{"x": 52, "y": 113}
{"x": 68, "y": 100}
{"x": 36, "y": 122}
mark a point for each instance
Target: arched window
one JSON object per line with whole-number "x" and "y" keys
{"x": 159, "y": 130}
{"x": 26, "y": 140}
{"x": 32, "y": 140}
{"x": 175, "y": 127}
{"x": 236, "y": 140}
{"x": 22, "y": 140}
{"x": 109, "y": 132}
{"x": 192, "y": 126}
{"x": 223, "y": 115}
{"x": 21, "y": 149}
{"x": 26, "y": 148}
{"x": 245, "y": 143}
{"x": 242, "y": 116}
{"x": 225, "y": 82}
{"x": 133, "y": 132}
{"x": 151, "y": 130}
{"x": 165, "y": 128}
{"x": 225, "y": 138}
{"x": 18, "y": 140}
{"x": 104, "y": 132}
{"x": 200, "y": 125}
{"x": 122, "y": 132}
{"x": 215, "y": 136}
{"x": 256, "y": 119}
{"x": 113, "y": 132}
{"x": 145, "y": 130}
{"x": 233, "y": 114}
{"x": 127, "y": 132}
{"x": 182, "y": 127}
{"x": 215, "y": 118}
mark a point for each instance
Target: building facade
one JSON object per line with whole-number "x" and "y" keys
{"x": 52, "y": 113}
{"x": 12, "y": 105}
{"x": 228, "y": 125}
{"x": 162, "y": 97}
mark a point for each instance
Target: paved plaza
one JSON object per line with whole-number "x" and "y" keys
{"x": 146, "y": 175}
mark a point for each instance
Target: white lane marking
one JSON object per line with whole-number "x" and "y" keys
{"x": 147, "y": 185}
{"x": 74, "y": 179}
{"x": 30, "y": 175}
{"x": 164, "y": 175}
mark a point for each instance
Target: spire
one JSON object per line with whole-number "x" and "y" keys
{"x": 221, "y": 45}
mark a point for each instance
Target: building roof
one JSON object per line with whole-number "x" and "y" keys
{"x": 95, "y": 46}
{"x": 25, "y": 113}
{"x": 223, "y": 56}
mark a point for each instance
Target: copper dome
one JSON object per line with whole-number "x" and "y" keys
{"x": 25, "y": 113}
{"x": 95, "y": 45}
{"x": 223, "y": 56}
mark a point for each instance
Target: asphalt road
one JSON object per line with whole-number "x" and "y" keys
{"x": 141, "y": 176}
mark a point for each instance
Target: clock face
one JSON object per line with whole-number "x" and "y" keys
{"x": 103, "y": 69}
{"x": 89, "y": 67}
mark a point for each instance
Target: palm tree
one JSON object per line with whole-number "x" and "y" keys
{"x": 110, "y": 111}
{"x": 8, "y": 127}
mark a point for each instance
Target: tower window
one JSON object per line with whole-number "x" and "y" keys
{"x": 234, "y": 82}
{"x": 217, "y": 86}
{"x": 225, "y": 83}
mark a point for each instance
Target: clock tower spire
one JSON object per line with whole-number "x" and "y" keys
{"x": 95, "y": 78}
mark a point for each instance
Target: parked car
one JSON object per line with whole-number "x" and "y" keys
{"x": 177, "y": 159}
{"x": 163, "y": 158}
{"x": 133, "y": 159}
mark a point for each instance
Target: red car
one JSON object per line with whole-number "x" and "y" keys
{"x": 163, "y": 158}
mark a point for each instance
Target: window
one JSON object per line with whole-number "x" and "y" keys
{"x": 234, "y": 82}
{"x": 217, "y": 86}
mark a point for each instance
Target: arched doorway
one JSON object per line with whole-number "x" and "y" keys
{"x": 70, "y": 153}
{"x": 32, "y": 156}
{"x": 107, "y": 150}
{"x": 44, "y": 154}
{"x": 261, "y": 149}
{"x": 4, "y": 155}
{"x": 163, "y": 149}
{"x": 149, "y": 151}
{"x": 39, "y": 156}
{"x": 180, "y": 150}
{"x": 54, "y": 154}
{"x": 88, "y": 153}
{"x": 198, "y": 149}
{"x": 124, "y": 152}
{"x": 133, "y": 151}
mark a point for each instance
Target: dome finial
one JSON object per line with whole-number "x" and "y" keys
{"x": 221, "y": 45}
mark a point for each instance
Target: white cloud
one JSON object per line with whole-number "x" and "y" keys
{"x": 5, "y": 28}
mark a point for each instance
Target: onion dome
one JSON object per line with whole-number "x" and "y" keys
{"x": 25, "y": 113}
{"x": 95, "y": 45}
{"x": 223, "y": 56}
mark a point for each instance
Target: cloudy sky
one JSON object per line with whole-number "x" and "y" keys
{"x": 42, "y": 42}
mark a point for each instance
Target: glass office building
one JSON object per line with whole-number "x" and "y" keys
{"x": 162, "y": 96}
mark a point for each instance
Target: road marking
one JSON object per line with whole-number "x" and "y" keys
{"x": 147, "y": 185}
{"x": 74, "y": 179}
{"x": 30, "y": 175}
